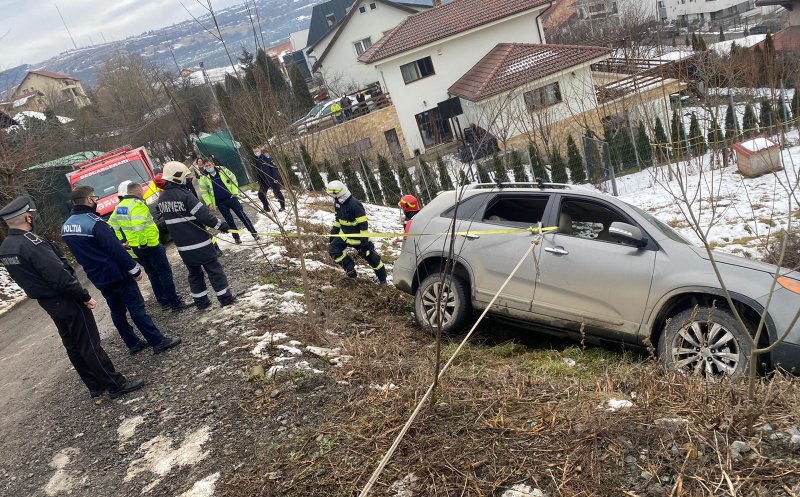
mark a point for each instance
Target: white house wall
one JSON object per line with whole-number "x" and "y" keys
{"x": 341, "y": 67}
{"x": 693, "y": 8}
{"x": 451, "y": 60}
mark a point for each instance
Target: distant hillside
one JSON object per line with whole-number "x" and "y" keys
{"x": 190, "y": 43}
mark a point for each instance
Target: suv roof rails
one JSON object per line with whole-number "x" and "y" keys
{"x": 538, "y": 184}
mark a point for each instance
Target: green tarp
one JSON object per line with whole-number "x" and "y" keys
{"x": 223, "y": 147}
{"x": 48, "y": 187}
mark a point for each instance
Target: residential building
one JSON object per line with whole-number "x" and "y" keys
{"x": 428, "y": 52}
{"x": 324, "y": 17}
{"x": 336, "y": 53}
{"x": 597, "y": 10}
{"x": 788, "y": 39}
{"x": 20, "y": 102}
{"x": 56, "y": 88}
{"x": 686, "y": 12}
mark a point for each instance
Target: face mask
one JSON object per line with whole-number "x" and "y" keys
{"x": 210, "y": 170}
{"x": 258, "y": 154}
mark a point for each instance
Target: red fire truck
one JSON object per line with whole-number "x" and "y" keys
{"x": 105, "y": 172}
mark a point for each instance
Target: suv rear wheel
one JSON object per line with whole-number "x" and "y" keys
{"x": 709, "y": 342}
{"x": 455, "y": 305}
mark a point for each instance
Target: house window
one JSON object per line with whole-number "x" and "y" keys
{"x": 331, "y": 18}
{"x": 543, "y": 97}
{"x": 362, "y": 9}
{"x": 362, "y": 45}
{"x": 418, "y": 69}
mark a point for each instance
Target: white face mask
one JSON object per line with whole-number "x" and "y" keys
{"x": 258, "y": 154}
{"x": 210, "y": 170}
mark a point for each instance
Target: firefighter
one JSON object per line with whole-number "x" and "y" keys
{"x": 135, "y": 225}
{"x": 186, "y": 219}
{"x": 410, "y": 206}
{"x": 42, "y": 271}
{"x": 113, "y": 272}
{"x": 269, "y": 178}
{"x": 351, "y": 219}
{"x": 161, "y": 184}
{"x": 219, "y": 190}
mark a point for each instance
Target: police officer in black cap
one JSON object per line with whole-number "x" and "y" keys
{"x": 42, "y": 271}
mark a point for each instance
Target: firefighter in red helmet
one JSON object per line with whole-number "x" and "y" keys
{"x": 410, "y": 206}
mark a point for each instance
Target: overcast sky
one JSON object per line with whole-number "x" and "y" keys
{"x": 31, "y": 31}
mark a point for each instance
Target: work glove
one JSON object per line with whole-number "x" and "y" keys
{"x": 224, "y": 228}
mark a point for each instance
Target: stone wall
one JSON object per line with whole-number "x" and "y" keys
{"x": 364, "y": 135}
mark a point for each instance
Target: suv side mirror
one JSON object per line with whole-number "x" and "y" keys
{"x": 627, "y": 233}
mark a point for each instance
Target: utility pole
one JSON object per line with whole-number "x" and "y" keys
{"x": 65, "y": 27}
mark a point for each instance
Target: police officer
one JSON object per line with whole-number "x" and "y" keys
{"x": 134, "y": 224}
{"x": 42, "y": 271}
{"x": 351, "y": 219}
{"x": 113, "y": 272}
{"x": 269, "y": 178}
{"x": 186, "y": 219}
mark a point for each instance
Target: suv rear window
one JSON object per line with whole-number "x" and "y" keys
{"x": 468, "y": 208}
{"x": 525, "y": 210}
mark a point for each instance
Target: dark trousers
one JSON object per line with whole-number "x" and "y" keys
{"x": 232, "y": 204}
{"x": 125, "y": 298}
{"x": 276, "y": 189}
{"x": 78, "y": 331}
{"x": 219, "y": 282}
{"x": 338, "y": 250}
{"x": 155, "y": 264}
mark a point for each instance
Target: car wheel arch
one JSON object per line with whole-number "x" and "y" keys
{"x": 436, "y": 263}
{"x": 679, "y": 300}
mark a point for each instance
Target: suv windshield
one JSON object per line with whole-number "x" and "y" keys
{"x": 669, "y": 232}
{"x": 105, "y": 183}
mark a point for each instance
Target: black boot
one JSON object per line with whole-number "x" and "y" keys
{"x": 127, "y": 387}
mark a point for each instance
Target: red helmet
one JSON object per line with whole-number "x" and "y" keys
{"x": 160, "y": 181}
{"x": 409, "y": 203}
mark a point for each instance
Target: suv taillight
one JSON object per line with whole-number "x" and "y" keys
{"x": 406, "y": 228}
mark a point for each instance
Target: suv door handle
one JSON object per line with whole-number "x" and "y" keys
{"x": 470, "y": 236}
{"x": 557, "y": 250}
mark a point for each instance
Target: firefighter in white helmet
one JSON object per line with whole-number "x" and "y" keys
{"x": 186, "y": 219}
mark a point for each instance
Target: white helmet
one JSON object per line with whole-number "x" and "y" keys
{"x": 175, "y": 172}
{"x": 338, "y": 190}
{"x": 122, "y": 189}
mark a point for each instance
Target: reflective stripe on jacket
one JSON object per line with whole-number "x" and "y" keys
{"x": 351, "y": 219}
{"x": 207, "y": 187}
{"x": 133, "y": 222}
{"x": 186, "y": 219}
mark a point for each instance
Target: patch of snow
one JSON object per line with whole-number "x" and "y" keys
{"x": 388, "y": 387}
{"x": 208, "y": 370}
{"x": 63, "y": 480}
{"x": 724, "y": 47}
{"x": 290, "y": 349}
{"x": 160, "y": 455}
{"x": 323, "y": 352}
{"x": 264, "y": 341}
{"x": 614, "y": 405}
{"x": 522, "y": 490}
{"x": 404, "y": 487}
{"x": 10, "y": 292}
{"x": 757, "y": 144}
{"x": 127, "y": 428}
{"x": 203, "y": 488}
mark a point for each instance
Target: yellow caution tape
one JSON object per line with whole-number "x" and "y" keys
{"x": 505, "y": 231}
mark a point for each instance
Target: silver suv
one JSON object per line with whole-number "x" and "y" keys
{"x": 610, "y": 269}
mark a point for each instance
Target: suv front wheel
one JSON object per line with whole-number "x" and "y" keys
{"x": 708, "y": 342}
{"x": 447, "y": 294}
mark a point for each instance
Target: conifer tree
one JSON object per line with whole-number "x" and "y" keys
{"x": 796, "y": 105}
{"x": 518, "y": 168}
{"x": 483, "y": 174}
{"x": 372, "y": 183}
{"x": 444, "y": 175}
{"x": 317, "y": 184}
{"x": 537, "y": 164}
{"x": 406, "y": 182}
{"x": 300, "y": 88}
{"x": 271, "y": 71}
{"x": 427, "y": 183}
{"x": 721, "y": 33}
{"x": 575, "y": 162}
{"x": 622, "y": 151}
{"x": 696, "y": 139}
{"x": 715, "y": 139}
{"x": 389, "y": 184}
{"x": 287, "y": 172}
{"x": 462, "y": 178}
{"x": 500, "y": 173}
{"x": 643, "y": 145}
{"x": 662, "y": 141}
{"x": 767, "y": 120}
{"x": 731, "y": 125}
{"x": 333, "y": 174}
{"x": 678, "y": 135}
{"x": 749, "y": 122}
{"x": 558, "y": 167}
{"x": 350, "y": 178}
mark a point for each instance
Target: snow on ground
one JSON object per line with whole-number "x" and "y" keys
{"x": 10, "y": 293}
{"x": 724, "y": 47}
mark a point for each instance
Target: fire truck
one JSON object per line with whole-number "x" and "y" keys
{"x": 105, "y": 172}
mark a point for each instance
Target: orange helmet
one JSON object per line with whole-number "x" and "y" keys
{"x": 409, "y": 203}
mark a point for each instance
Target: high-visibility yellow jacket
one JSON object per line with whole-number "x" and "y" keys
{"x": 133, "y": 222}
{"x": 336, "y": 110}
{"x": 207, "y": 187}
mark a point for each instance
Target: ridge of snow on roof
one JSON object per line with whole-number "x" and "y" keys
{"x": 443, "y": 22}
{"x": 510, "y": 65}
{"x": 757, "y": 144}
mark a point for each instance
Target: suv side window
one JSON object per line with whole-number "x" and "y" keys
{"x": 516, "y": 210}
{"x": 589, "y": 220}
{"x": 468, "y": 208}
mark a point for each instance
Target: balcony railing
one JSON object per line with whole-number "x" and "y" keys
{"x": 355, "y": 112}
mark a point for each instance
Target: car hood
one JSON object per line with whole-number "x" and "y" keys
{"x": 733, "y": 260}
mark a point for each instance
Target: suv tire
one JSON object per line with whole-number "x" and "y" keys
{"x": 458, "y": 307}
{"x": 709, "y": 342}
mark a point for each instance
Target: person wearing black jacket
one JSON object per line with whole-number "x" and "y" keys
{"x": 186, "y": 219}
{"x": 269, "y": 178}
{"x": 42, "y": 271}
